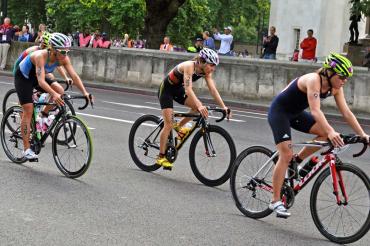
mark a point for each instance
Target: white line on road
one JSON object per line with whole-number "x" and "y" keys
{"x": 131, "y": 105}
{"x": 6, "y": 83}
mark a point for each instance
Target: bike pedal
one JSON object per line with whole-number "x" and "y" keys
{"x": 33, "y": 160}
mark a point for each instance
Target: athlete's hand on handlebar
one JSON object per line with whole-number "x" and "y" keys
{"x": 90, "y": 98}
{"x": 203, "y": 111}
{"x": 57, "y": 98}
{"x": 228, "y": 113}
{"x": 335, "y": 139}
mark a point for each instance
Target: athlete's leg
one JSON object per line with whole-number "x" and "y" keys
{"x": 167, "y": 115}
{"x": 321, "y": 136}
{"x": 26, "y": 124}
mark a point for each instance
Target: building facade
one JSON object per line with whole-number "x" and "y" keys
{"x": 329, "y": 20}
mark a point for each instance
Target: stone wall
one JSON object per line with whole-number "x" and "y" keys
{"x": 241, "y": 78}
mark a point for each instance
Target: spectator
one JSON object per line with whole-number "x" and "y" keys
{"x": 226, "y": 41}
{"x": 42, "y": 29}
{"x": 125, "y": 40}
{"x": 208, "y": 42}
{"x": 76, "y": 39}
{"x": 166, "y": 44}
{"x": 7, "y": 32}
{"x": 198, "y": 46}
{"x": 70, "y": 38}
{"x": 354, "y": 18}
{"x": 25, "y": 35}
{"x": 95, "y": 40}
{"x": 308, "y": 46}
{"x": 104, "y": 43}
{"x": 270, "y": 44}
{"x": 84, "y": 39}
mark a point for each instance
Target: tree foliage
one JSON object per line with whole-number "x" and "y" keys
{"x": 360, "y": 6}
{"x": 31, "y": 11}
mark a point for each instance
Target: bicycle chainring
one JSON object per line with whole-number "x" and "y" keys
{"x": 287, "y": 196}
{"x": 171, "y": 153}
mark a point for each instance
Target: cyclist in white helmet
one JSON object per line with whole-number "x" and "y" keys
{"x": 31, "y": 73}
{"x": 178, "y": 86}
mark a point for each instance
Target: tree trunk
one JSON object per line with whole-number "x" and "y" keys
{"x": 159, "y": 15}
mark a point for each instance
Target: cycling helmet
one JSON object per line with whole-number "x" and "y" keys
{"x": 210, "y": 56}
{"x": 339, "y": 64}
{"x": 59, "y": 40}
{"x": 45, "y": 38}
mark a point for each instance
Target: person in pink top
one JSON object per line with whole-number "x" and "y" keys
{"x": 105, "y": 43}
{"x": 84, "y": 39}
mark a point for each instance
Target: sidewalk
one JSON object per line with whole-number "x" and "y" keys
{"x": 251, "y": 104}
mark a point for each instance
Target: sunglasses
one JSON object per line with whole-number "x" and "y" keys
{"x": 342, "y": 77}
{"x": 63, "y": 52}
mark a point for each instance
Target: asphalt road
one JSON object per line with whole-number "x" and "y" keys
{"x": 115, "y": 203}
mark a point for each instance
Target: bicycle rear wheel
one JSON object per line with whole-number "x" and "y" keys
{"x": 72, "y": 147}
{"x": 11, "y": 137}
{"x": 252, "y": 195}
{"x": 10, "y": 99}
{"x": 143, "y": 142}
{"x": 342, "y": 223}
{"x": 212, "y": 169}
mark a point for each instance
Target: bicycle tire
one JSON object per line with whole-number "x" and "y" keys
{"x": 314, "y": 203}
{"x": 6, "y": 99}
{"x": 70, "y": 110}
{"x": 70, "y": 143}
{"x": 195, "y": 166}
{"x": 15, "y": 136}
{"x": 265, "y": 154}
{"x": 133, "y": 141}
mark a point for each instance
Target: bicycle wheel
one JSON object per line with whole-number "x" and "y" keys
{"x": 11, "y": 137}
{"x": 72, "y": 146}
{"x": 70, "y": 110}
{"x": 143, "y": 142}
{"x": 252, "y": 195}
{"x": 10, "y": 99}
{"x": 342, "y": 223}
{"x": 212, "y": 170}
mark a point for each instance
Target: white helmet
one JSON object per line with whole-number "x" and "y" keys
{"x": 59, "y": 40}
{"x": 209, "y": 55}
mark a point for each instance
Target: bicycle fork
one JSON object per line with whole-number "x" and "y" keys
{"x": 337, "y": 179}
{"x": 210, "y": 151}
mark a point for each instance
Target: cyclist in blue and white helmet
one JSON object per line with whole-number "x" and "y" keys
{"x": 31, "y": 74}
{"x": 178, "y": 86}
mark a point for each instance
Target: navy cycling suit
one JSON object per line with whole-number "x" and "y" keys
{"x": 288, "y": 110}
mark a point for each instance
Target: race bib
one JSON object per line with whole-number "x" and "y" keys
{"x": 4, "y": 37}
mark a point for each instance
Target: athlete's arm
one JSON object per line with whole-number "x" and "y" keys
{"x": 74, "y": 76}
{"x": 347, "y": 113}
{"x": 62, "y": 73}
{"x": 313, "y": 96}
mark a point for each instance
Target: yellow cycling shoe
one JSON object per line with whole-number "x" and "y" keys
{"x": 162, "y": 161}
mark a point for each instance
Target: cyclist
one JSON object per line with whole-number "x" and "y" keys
{"x": 31, "y": 73}
{"x": 288, "y": 110}
{"x": 44, "y": 44}
{"x": 178, "y": 86}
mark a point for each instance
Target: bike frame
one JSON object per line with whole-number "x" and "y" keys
{"x": 329, "y": 158}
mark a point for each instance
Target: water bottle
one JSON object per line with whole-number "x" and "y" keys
{"x": 48, "y": 120}
{"x": 43, "y": 97}
{"x": 308, "y": 166}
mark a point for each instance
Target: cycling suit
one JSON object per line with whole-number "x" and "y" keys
{"x": 172, "y": 88}
{"x": 24, "y": 54}
{"x": 288, "y": 110}
{"x": 25, "y": 79}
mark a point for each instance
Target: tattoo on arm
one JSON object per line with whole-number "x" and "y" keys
{"x": 316, "y": 95}
{"x": 38, "y": 72}
{"x": 187, "y": 80}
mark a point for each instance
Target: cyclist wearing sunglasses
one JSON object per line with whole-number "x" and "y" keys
{"x": 44, "y": 44}
{"x": 288, "y": 110}
{"x": 178, "y": 86}
{"x": 31, "y": 73}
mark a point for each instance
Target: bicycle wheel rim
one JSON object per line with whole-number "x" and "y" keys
{"x": 252, "y": 196}
{"x": 342, "y": 223}
{"x": 72, "y": 147}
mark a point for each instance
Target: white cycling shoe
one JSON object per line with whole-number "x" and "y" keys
{"x": 280, "y": 210}
{"x": 29, "y": 154}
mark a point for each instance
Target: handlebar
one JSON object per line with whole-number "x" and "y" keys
{"x": 68, "y": 83}
{"x": 70, "y": 97}
{"x": 216, "y": 109}
{"x": 351, "y": 139}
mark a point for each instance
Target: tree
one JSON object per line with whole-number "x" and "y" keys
{"x": 159, "y": 14}
{"x": 360, "y": 6}
{"x": 31, "y": 11}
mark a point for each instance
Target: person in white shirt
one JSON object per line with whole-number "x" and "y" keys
{"x": 226, "y": 41}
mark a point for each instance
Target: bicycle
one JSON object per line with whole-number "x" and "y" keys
{"x": 144, "y": 142}
{"x": 70, "y": 136}
{"x": 11, "y": 97}
{"x": 251, "y": 188}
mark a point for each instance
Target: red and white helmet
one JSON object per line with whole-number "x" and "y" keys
{"x": 209, "y": 55}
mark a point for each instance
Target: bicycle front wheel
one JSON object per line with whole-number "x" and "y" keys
{"x": 345, "y": 223}
{"x": 143, "y": 142}
{"x": 10, "y": 99}
{"x": 212, "y": 169}
{"x": 251, "y": 191}
{"x": 72, "y": 147}
{"x": 11, "y": 136}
